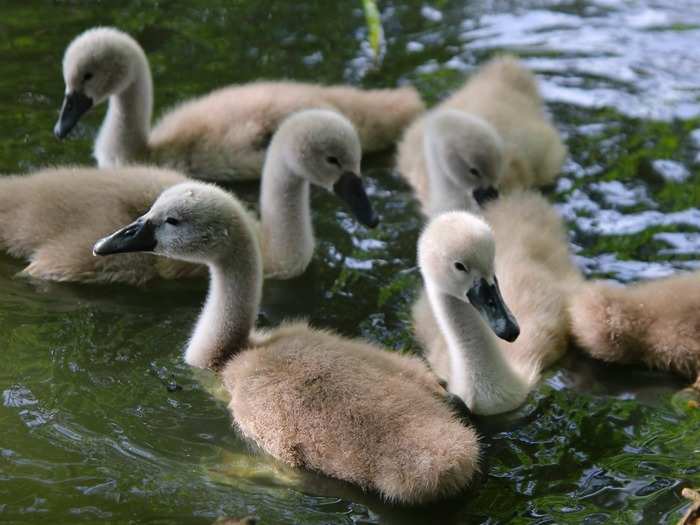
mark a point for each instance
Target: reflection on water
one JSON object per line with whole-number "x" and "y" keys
{"x": 101, "y": 419}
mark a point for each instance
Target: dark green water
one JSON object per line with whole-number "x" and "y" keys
{"x": 92, "y": 426}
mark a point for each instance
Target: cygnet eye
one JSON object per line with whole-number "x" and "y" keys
{"x": 333, "y": 160}
{"x": 460, "y": 267}
{"x": 87, "y": 76}
{"x": 475, "y": 172}
{"x": 172, "y": 220}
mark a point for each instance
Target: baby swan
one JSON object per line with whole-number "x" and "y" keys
{"x": 315, "y": 146}
{"x": 458, "y": 259}
{"x": 310, "y": 398}
{"x": 656, "y": 323}
{"x": 52, "y": 217}
{"x": 491, "y": 132}
{"x": 221, "y": 136}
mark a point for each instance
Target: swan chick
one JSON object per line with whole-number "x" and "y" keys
{"x": 312, "y": 147}
{"x": 464, "y": 158}
{"x": 51, "y": 218}
{"x": 456, "y": 257}
{"x": 653, "y": 323}
{"x": 105, "y": 63}
{"x": 506, "y": 143}
{"x": 308, "y": 397}
{"x": 537, "y": 277}
{"x": 221, "y": 136}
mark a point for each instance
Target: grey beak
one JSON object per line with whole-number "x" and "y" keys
{"x": 487, "y": 299}
{"x": 350, "y": 189}
{"x": 483, "y": 196}
{"x": 139, "y": 236}
{"x": 74, "y": 106}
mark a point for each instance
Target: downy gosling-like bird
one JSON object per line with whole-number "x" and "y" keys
{"x": 310, "y": 398}
{"x": 221, "y": 136}
{"x": 493, "y": 132}
{"x": 52, "y": 217}
{"x": 656, "y": 323}
{"x": 523, "y": 241}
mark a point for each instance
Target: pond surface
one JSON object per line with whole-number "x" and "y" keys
{"x": 101, "y": 420}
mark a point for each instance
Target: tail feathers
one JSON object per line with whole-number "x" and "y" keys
{"x": 598, "y": 323}
{"x": 441, "y": 461}
{"x": 653, "y": 323}
{"x": 380, "y": 115}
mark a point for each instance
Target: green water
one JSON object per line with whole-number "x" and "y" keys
{"x": 101, "y": 421}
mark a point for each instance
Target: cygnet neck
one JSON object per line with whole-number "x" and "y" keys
{"x": 445, "y": 195}
{"x": 231, "y": 308}
{"x": 479, "y": 371}
{"x": 287, "y": 235}
{"x": 123, "y": 137}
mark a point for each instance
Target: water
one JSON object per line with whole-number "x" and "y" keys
{"x": 102, "y": 421}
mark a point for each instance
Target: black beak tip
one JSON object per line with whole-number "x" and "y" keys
{"x": 351, "y": 190}
{"x": 59, "y": 132}
{"x": 511, "y": 333}
{"x": 483, "y": 196}
{"x": 139, "y": 236}
{"x": 98, "y": 248}
{"x": 372, "y": 222}
{"x": 75, "y": 104}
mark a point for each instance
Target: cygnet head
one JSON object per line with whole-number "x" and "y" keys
{"x": 192, "y": 221}
{"x": 97, "y": 64}
{"x": 468, "y": 150}
{"x": 323, "y": 147}
{"x": 456, "y": 257}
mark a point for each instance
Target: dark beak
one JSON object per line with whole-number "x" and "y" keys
{"x": 74, "y": 106}
{"x": 139, "y": 236}
{"x": 350, "y": 189}
{"x": 483, "y": 196}
{"x": 486, "y": 298}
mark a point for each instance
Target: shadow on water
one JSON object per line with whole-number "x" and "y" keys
{"x": 103, "y": 422}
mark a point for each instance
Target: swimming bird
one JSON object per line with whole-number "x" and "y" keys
{"x": 492, "y": 133}
{"x": 520, "y": 239}
{"x": 655, "y": 323}
{"x": 308, "y": 397}
{"x": 221, "y": 136}
{"x": 52, "y": 217}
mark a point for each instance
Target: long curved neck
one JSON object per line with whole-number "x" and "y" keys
{"x": 231, "y": 308}
{"x": 445, "y": 195}
{"x": 286, "y": 230}
{"x": 123, "y": 137}
{"x": 479, "y": 371}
